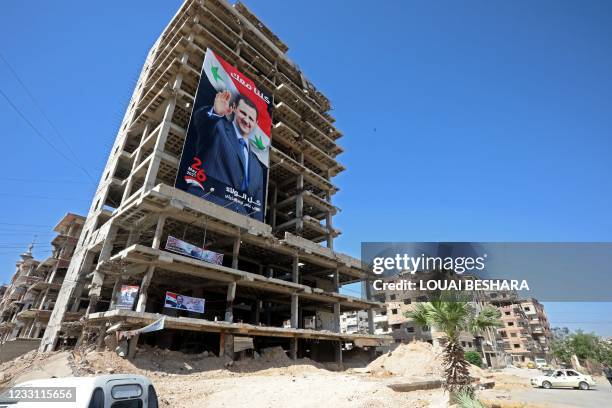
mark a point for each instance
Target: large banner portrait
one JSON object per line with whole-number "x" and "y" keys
{"x": 226, "y": 154}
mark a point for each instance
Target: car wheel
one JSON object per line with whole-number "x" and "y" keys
{"x": 583, "y": 386}
{"x": 546, "y": 385}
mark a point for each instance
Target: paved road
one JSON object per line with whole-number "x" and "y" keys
{"x": 599, "y": 397}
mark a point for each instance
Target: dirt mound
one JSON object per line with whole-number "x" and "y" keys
{"x": 18, "y": 369}
{"x": 416, "y": 359}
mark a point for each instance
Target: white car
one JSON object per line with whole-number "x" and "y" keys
{"x": 541, "y": 363}
{"x": 104, "y": 391}
{"x": 564, "y": 379}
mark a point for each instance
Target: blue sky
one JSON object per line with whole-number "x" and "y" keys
{"x": 463, "y": 121}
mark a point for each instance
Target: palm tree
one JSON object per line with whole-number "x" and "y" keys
{"x": 452, "y": 315}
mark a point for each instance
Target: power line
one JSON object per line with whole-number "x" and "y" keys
{"x": 38, "y": 133}
{"x": 37, "y": 197}
{"x": 25, "y": 180}
{"x": 74, "y": 162}
{"x": 41, "y": 110}
{"x": 26, "y": 225}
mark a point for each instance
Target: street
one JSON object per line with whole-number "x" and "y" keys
{"x": 599, "y": 397}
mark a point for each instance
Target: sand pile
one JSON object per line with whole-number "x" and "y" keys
{"x": 12, "y": 370}
{"x": 417, "y": 360}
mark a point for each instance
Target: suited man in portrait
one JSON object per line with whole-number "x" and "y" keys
{"x": 224, "y": 149}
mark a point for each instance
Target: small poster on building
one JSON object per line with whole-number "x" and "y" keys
{"x": 127, "y": 296}
{"x": 185, "y": 248}
{"x": 191, "y": 304}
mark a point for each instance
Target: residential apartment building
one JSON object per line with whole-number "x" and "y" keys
{"x": 526, "y": 333}
{"x": 357, "y": 322}
{"x": 31, "y": 296}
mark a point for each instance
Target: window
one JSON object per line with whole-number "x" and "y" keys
{"x": 469, "y": 344}
{"x": 132, "y": 391}
{"x": 398, "y": 340}
{"x": 396, "y": 326}
{"x": 409, "y": 329}
{"x": 407, "y": 301}
{"x": 97, "y": 399}
{"x": 394, "y": 311}
{"x": 527, "y": 309}
{"x": 510, "y": 323}
{"x": 507, "y": 313}
{"x": 516, "y": 345}
{"x": 572, "y": 373}
{"x": 392, "y": 297}
{"x": 463, "y": 344}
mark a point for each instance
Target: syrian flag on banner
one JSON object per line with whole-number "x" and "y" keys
{"x": 223, "y": 76}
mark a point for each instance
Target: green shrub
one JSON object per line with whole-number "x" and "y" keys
{"x": 473, "y": 357}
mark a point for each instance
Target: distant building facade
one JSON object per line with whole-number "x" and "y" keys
{"x": 28, "y": 301}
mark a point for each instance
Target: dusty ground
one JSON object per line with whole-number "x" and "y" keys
{"x": 272, "y": 380}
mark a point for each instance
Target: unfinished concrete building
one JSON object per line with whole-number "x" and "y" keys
{"x": 526, "y": 333}
{"x": 13, "y": 298}
{"x": 279, "y": 281}
{"x": 30, "y": 298}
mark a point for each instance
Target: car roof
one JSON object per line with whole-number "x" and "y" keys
{"x": 84, "y": 386}
{"x": 82, "y": 382}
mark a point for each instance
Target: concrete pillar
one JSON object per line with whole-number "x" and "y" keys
{"x": 338, "y": 352}
{"x": 37, "y": 332}
{"x": 144, "y": 290}
{"x": 299, "y": 203}
{"x": 296, "y": 269}
{"x": 368, "y": 292}
{"x": 336, "y": 279}
{"x": 229, "y": 308}
{"x": 116, "y": 289}
{"x": 226, "y": 345}
{"x": 293, "y": 348}
{"x": 30, "y": 329}
{"x": 257, "y": 317}
{"x": 235, "y": 251}
{"x": 294, "y": 311}
{"x": 273, "y": 205}
{"x": 329, "y": 224}
{"x": 159, "y": 229}
{"x": 337, "y": 317}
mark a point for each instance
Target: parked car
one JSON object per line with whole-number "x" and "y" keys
{"x": 541, "y": 363}
{"x": 104, "y": 391}
{"x": 564, "y": 379}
